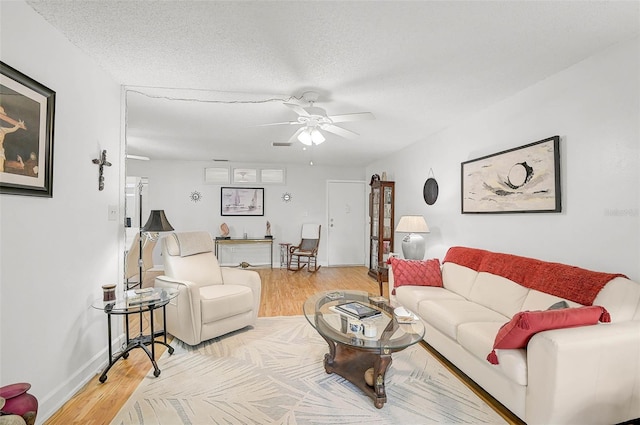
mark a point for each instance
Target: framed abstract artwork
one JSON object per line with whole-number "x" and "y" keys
{"x": 242, "y": 201}
{"x": 525, "y": 179}
{"x": 26, "y": 135}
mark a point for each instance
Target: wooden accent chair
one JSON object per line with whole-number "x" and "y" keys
{"x": 306, "y": 253}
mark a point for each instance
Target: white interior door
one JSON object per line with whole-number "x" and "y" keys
{"x": 347, "y": 223}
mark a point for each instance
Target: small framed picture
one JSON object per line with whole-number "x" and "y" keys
{"x": 216, "y": 175}
{"x": 272, "y": 175}
{"x": 245, "y": 175}
{"x": 242, "y": 201}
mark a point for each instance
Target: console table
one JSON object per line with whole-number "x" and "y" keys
{"x": 239, "y": 241}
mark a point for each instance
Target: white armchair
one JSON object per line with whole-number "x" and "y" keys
{"x": 212, "y": 300}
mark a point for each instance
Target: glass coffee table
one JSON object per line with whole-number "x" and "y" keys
{"x": 362, "y": 360}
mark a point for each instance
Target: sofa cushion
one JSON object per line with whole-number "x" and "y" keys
{"x": 498, "y": 293}
{"x": 558, "y": 305}
{"x": 458, "y": 279}
{"x": 415, "y": 272}
{"x": 222, "y": 301}
{"x": 412, "y": 296}
{"x": 537, "y": 300}
{"x": 447, "y": 315}
{"x": 519, "y": 330}
{"x": 567, "y": 282}
{"x": 477, "y": 338}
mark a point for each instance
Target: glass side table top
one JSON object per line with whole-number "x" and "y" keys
{"x": 390, "y": 334}
{"x": 135, "y": 300}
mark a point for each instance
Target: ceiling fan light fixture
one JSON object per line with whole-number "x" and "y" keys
{"x": 305, "y": 137}
{"x": 316, "y": 136}
{"x": 311, "y": 136}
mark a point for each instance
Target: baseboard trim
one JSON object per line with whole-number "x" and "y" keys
{"x": 54, "y": 401}
{"x": 500, "y": 409}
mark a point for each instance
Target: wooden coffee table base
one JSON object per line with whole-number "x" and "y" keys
{"x": 351, "y": 363}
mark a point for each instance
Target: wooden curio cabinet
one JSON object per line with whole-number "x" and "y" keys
{"x": 381, "y": 206}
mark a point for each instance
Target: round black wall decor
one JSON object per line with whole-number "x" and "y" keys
{"x": 430, "y": 191}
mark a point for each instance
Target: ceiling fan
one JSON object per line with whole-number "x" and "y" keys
{"x": 312, "y": 119}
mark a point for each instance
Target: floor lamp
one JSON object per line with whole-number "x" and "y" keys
{"x": 156, "y": 223}
{"x": 413, "y": 244}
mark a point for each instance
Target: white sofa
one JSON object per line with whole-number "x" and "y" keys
{"x": 212, "y": 300}
{"x": 578, "y": 375}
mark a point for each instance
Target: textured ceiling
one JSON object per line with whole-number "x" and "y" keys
{"x": 202, "y": 75}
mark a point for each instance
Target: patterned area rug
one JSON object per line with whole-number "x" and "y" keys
{"x": 274, "y": 374}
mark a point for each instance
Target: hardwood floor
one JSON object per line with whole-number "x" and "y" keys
{"x": 283, "y": 293}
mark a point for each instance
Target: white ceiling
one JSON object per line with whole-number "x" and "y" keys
{"x": 201, "y": 74}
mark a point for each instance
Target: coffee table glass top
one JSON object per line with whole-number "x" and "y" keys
{"x": 132, "y": 300}
{"x": 389, "y": 333}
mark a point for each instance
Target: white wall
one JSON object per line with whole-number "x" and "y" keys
{"x": 594, "y": 107}
{"x": 171, "y": 183}
{"x": 56, "y": 253}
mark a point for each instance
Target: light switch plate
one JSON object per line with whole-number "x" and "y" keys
{"x": 113, "y": 212}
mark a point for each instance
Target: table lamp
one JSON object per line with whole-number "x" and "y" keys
{"x": 413, "y": 246}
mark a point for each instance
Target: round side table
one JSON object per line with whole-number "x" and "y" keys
{"x": 137, "y": 302}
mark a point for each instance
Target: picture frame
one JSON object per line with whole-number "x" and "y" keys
{"x": 272, "y": 176}
{"x": 27, "y": 114}
{"x": 525, "y": 179}
{"x": 245, "y": 175}
{"x": 213, "y": 175}
{"x": 242, "y": 201}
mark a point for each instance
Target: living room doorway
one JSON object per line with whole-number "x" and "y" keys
{"x": 346, "y": 227}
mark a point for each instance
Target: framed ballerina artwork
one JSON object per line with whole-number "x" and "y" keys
{"x": 26, "y": 135}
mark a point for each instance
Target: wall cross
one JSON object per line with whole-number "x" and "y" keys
{"x": 102, "y": 162}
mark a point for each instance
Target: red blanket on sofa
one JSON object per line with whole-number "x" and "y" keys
{"x": 568, "y": 282}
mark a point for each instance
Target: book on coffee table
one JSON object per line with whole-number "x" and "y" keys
{"x": 137, "y": 297}
{"x": 357, "y": 310}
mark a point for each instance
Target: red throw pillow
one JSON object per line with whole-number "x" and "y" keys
{"x": 415, "y": 272}
{"x": 519, "y": 330}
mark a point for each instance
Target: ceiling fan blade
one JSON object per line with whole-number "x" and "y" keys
{"x": 294, "y": 138}
{"x": 343, "y": 132}
{"x": 358, "y": 116}
{"x": 281, "y": 144}
{"x": 297, "y": 109}
{"x": 278, "y": 123}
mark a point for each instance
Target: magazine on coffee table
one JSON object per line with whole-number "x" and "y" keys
{"x": 357, "y": 310}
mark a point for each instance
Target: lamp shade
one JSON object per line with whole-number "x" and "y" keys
{"x": 157, "y": 222}
{"x": 413, "y": 244}
{"x": 412, "y": 224}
